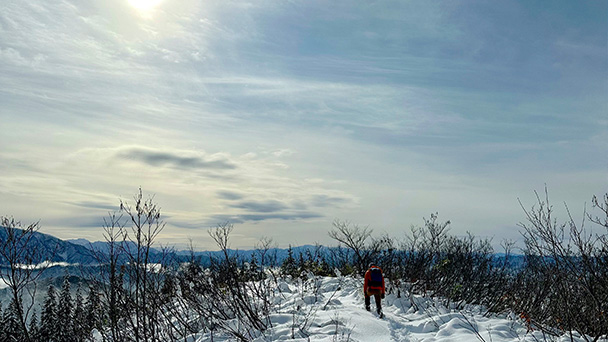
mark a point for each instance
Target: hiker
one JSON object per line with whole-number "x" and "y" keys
{"x": 374, "y": 286}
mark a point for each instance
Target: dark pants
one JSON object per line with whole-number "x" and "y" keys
{"x": 377, "y": 297}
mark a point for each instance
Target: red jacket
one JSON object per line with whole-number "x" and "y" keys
{"x": 368, "y": 277}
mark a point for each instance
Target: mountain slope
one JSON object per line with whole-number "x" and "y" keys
{"x": 53, "y": 249}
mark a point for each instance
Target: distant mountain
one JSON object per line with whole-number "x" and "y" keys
{"x": 103, "y": 247}
{"x": 81, "y": 242}
{"x": 279, "y": 253}
{"x": 273, "y": 254}
{"x": 82, "y": 251}
{"x": 75, "y": 251}
{"x": 54, "y": 249}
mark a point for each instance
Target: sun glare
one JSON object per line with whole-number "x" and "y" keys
{"x": 144, "y": 5}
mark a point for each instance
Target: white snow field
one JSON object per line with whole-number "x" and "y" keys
{"x": 332, "y": 310}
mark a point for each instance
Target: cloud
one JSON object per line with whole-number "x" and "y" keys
{"x": 261, "y": 206}
{"x": 175, "y": 159}
{"x": 96, "y": 205}
{"x": 229, "y": 195}
{"x": 283, "y": 153}
{"x": 10, "y": 55}
{"x": 44, "y": 265}
{"x": 258, "y": 190}
{"x": 91, "y": 220}
{"x": 243, "y": 218}
{"x": 329, "y": 201}
{"x": 287, "y": 217}
{"x": 254, "y": 210}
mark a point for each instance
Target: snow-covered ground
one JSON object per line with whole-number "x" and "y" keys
{"x": 332, "y": 310}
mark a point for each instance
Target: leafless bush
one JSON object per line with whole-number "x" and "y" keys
{"x": 144, "y": 270}
{"x": 460, "y": 269}
{"x": 132, "y": 274}
{"x": 422, "y": 253}
{"x": 363, "y": 247}
{"x": 19, "y": 253}
{"x": 564, "y": 286}
{"x": 224, "y": 296}
{"x": 109, "y": 276}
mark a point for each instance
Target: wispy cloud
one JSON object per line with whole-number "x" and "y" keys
{"x": 244, "y": 218}
{"x": 229, "y": 195}
{"x": 164, "y": 158}
{"x": 328, "y": 200}
{"x": 97, "y": 205}
{"x": 268, "y": 206}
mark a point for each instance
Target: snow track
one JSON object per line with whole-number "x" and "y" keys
{"x": 332, "y": 310}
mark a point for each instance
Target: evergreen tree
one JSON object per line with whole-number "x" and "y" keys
{"x": 2, "y": 324}
{"x": 48, "y": 318}
{"x": 324, "y": 268}
{"x": 65, "y": 318}
{"x": 256, "y": 271}
{"x": 169, "y": 289}
{"x": 302, "y": 269}
{"x": 12, "y": 328}
{"x": 311, "y": 263}
{"x": 93, "y": 312}
{"x": 34, "y": 328}
{"x": 79, "y": 325}
{"x": 289, "y": 267}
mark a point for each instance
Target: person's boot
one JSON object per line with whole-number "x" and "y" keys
{"x": 367, "y": 308}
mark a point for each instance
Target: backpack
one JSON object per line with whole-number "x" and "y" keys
{"x": 375, "y": 279}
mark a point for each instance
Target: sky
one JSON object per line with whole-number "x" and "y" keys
{"x": 281, "y": 117}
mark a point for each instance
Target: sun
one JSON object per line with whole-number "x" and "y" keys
{"x": 144, "y": 5}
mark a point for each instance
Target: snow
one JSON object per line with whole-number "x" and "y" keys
{"x": 332, "y": 310}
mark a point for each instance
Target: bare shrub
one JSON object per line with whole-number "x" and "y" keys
{"x": 224, "y": 296}
{"x": 563, "y": 287}
{"x": 132, "y": 274}
{"x": 19, "y": 253}
{"x": 144, "y": 270}
{"x": 363, "y": 247}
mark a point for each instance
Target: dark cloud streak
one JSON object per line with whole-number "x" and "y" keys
{"x": 239, "y": 219}
{"x": 162, "y": 158}
{"x": 230, "y": 195}
{"x": 96, "y": 205}
{"x": 329, "y": 201}
{"x": 261, "y": 206}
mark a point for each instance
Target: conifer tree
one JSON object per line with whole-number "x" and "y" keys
{"x": 3, "y": 324}
{"x": 255, "y": 271}
{"x": 324, "y": 268}
{"x": 302, "y": 269}
{"x": 12, "y": 328}
{"x": 79, "y": 326}
{"x": 34, "y": 327}
{"x": 169, "y": 288}
{"x": 289, "y": 266}
{"x": 2, "y": 334}
{"x": 93, "y": 312}
{"x": 48, "y": 318}
{"x": 65, "y": 317}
